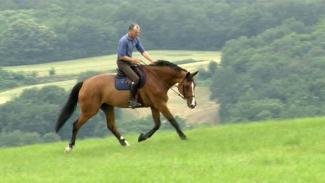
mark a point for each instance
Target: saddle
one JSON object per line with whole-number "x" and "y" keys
{"x": 122, "y": 82}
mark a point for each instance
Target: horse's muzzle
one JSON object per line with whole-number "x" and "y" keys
{"x": 191, "y": 103}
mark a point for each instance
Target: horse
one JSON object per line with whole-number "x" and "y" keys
{"x": 99, "y": 93}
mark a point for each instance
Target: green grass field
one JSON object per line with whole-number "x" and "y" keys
{"x": 274, "y": 151}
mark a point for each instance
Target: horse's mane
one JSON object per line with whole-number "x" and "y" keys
{"x": 161, "y": 63}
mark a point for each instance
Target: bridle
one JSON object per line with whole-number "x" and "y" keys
{"x": 178, "y": 93}
{"x": 183, "y": 89}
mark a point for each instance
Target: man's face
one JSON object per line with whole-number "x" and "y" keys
{"x": 135, "y": 32}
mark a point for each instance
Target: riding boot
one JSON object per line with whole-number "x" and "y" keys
{"x": 133, "y": 101}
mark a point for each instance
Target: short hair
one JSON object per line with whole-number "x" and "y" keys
{"x": 132, "y": 26}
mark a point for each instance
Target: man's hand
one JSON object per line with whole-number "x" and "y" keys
{"x": 147, "y": 56}
{"x": 153, "y": 61}
{"x": 136, "y": 61}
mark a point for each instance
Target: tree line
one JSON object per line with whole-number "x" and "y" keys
{"x": 36, "y": 31}
{"x": 276, "y": 74}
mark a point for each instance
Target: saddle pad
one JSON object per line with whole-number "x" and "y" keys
{"x": 122, "y": 83}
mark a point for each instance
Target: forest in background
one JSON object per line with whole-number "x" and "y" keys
{"x": 37, "y": 31}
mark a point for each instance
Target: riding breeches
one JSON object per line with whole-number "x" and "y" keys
{"x": 128, "y": 71}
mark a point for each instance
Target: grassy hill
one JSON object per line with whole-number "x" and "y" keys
{"x": 275, "y": 151}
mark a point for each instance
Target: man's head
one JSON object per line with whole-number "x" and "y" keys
{"x": 134, "y": 31}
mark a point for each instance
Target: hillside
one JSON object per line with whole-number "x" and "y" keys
{"x": 274, "y": 151}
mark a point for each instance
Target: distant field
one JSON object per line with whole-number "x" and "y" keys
{"x": 275, "y": 151}
{"x": 108, "y": 63}
{"x": 12, "y": 93}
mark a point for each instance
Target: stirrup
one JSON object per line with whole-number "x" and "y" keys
{"x": 133, "y": 104}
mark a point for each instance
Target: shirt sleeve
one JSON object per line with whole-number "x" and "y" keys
{"x": 121, "y": 49}
{"x": 139, "y": 46}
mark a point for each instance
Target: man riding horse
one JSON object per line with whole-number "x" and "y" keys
{"x": 125, "y": 60}
{"x": 100, "y": 92}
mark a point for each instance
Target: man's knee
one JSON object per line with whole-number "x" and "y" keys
{"x": 136, "y": 80}
{"x": 133, "y": 76}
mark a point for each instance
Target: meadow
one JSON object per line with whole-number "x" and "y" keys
{"x": 272, "y": 151}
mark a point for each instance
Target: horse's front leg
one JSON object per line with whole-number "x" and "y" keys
{"x": 156, "y": 119}
{"x": 165, "y": 111}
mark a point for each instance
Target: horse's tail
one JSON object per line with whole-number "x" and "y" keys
{"x": 69, "y": 107}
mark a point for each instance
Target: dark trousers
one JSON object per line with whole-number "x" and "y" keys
{"x": 125, "y": 66}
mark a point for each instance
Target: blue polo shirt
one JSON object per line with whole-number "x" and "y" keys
{"x": 126, "y": 46}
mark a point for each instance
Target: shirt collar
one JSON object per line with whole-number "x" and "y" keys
{"x": 129, "y": 38}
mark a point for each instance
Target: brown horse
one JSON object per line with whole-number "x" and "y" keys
{"x": 99, "y": 92}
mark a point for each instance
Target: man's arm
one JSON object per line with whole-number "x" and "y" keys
{"x": 147, "y": 56}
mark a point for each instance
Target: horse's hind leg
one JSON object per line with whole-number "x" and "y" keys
{"x": 76, "y": 126}
{"x": 156, "y": 119}
{"x": 110, "y": 119}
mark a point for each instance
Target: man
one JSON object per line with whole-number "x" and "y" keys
{"x": 125, "y": 59}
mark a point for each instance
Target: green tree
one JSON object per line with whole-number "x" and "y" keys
{"x": 277, "y": 74}
{"x": 26, "y": 41}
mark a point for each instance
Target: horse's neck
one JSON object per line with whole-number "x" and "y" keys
{"x": 169, "y": 76}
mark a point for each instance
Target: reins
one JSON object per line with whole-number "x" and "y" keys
{"x": 179, "y": 94}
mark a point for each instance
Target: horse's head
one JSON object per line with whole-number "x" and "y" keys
{"x": 187, "y": 88}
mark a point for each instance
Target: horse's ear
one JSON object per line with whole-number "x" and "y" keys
{"x": 188, "y": 75}
{"x": 195, "y": 73}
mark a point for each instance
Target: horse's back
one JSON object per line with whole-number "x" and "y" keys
{"x": 100, "y": 78}
{"x": 102, "y": 89}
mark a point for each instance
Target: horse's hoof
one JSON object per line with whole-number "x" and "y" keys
{"x": 125, "y": 143}
{"x": 141, "y": 137}
{"x": 67, "y": 150}
{"x": 183, "y": 137}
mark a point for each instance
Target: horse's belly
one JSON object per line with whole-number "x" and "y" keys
{"x": 117, "y": 98}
